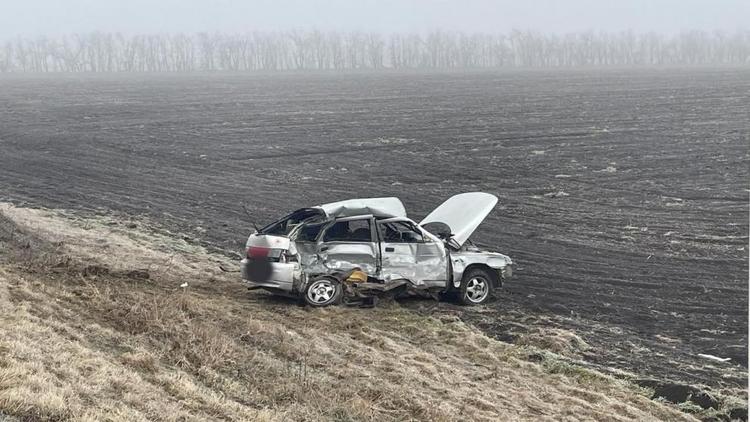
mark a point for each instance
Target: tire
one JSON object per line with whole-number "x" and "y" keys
{"x": 322, "y": 292}
{"x": 476, "y": 287}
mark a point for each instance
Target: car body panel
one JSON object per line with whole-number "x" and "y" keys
{"x": 462, "y": 259}
{"x": 463, "y": 213}
{"x": 392, "y": 248}
{"x": 342, "y": 254}
{"x": 307, "y": 252}
{"x": 379, "y": 207}
{"x": 347, "y": 255}
{"x": 422, "y": 260}
{"x": 268, "y": 241}
{"x": 283, "y": 276}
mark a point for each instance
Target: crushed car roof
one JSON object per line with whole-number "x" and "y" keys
{"x": 378, "y": 207}
{"x": 462, "y": 213}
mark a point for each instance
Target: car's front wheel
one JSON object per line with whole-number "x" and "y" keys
{"x": 476, "y": 287}
{"x": 323, "y": 292}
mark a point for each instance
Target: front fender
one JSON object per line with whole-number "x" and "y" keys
{"x": 463, "y": 260}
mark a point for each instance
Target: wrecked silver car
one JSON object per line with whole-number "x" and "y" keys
{"x": 326, "y": 252}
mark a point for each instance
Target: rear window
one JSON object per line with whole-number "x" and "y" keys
{"x": 284, "y": 226}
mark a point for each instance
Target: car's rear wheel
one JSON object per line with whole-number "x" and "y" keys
{"x": 323, "y": 292}
{"x": 476, "y": 287}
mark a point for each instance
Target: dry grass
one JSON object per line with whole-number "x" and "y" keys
{"x": 556, "y": 340}
{"x": 99, "y": 345}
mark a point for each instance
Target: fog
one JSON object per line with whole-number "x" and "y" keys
{"x": 54, "y": 17}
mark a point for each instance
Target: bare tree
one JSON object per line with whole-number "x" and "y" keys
{"x": 318, "y": 50}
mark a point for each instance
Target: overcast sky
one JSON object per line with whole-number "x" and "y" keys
{"x": 54, "y": 17}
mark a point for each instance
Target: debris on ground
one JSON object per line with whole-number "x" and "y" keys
{"x": 714, "y": 358}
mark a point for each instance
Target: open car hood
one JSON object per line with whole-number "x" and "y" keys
{"x": 463, "y": 213}
{"x": 378, "y": 207}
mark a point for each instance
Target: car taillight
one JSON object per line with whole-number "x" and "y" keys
{"x": 270, "y": 254}
{"x": 257, "y": 252}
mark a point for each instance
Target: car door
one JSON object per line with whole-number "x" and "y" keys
{"x": 407, "y": 252}
{"x": 348, "y": 243}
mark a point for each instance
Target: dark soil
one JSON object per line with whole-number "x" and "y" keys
{"x": 623, "y": 193}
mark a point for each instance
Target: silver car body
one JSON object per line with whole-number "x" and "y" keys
{"x": 373, "y": 234}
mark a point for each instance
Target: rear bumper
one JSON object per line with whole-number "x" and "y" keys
{"x": 282, "y": 276}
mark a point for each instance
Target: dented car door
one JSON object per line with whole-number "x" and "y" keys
{"x": 410, "y": 253}
{"x": 348, "y": 243}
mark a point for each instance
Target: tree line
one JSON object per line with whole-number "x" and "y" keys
{"x": 321, "y": 50}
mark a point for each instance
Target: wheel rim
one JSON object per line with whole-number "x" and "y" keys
{"x": 321, "y": 291}
{"x": 477, "y": 289}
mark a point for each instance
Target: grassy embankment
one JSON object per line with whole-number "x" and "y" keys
{"x": 94, "y": 326}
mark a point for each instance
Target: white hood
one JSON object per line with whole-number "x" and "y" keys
{"x": 379, "y": 207}
{"x": 463, "y": 213}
